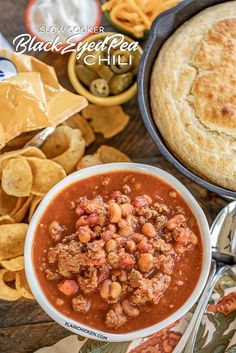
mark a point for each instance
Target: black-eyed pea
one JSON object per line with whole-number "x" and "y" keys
{"x": 97, "y": 229}
{"x": 112, "y": 228}
{"x": 126, "y": 231}
{"x": 53, "y": 227}
{"x": 126, "y": 189}
{"x": 122, "y": 276}
{"x": 149, "y": 230}
{"x": 130, "y": 246}
{"x": 55, "y": 230}
{"x": 105, "y": 289}
{"x": 115, "y": 290}
{"x": 131, "y": 220}
{"x": 137, "y": 237}
{"x": 179, "y": 249}
{"x": 114, "y": 278}
{"x": 145, "y": 262}
{"x": 117, "y": 308}
{"x": 122, "y": 223}
{"x": 126, "y": 209}
{"x": 115, "y": 235}
{"x": 110, "y": 245}
{"x": 119, "y": 241}
{"x": 84, "y": 234}
{"x": 129, "y": 309}
{"x": 114, "y": 212}
{"x": 193, "y": 238}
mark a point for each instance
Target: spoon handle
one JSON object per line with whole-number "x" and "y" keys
{"x": 184, "y": 339}
{"x": 189, "y": 348}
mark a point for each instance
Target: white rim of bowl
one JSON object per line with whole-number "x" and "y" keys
{"x": 83, "y": 329}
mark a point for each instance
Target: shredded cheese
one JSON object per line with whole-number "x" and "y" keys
{"x": 136, "y": 16}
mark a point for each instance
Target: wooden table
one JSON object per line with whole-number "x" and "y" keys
{"x": 24, "y": 326}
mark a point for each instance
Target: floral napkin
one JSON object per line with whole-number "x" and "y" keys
{"x": 217, "y": 333}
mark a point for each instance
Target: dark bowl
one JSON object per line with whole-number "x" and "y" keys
{"x": 162, "y": 28}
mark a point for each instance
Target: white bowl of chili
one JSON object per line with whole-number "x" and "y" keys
{"x": 117, "y": 251}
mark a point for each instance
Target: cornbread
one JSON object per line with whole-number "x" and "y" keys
{"x": 193, "y": 94}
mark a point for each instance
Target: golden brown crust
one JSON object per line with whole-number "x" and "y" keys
{"x": 193, "y": 94}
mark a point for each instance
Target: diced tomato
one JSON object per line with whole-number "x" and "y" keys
{"x": 68, "y": 287}
{"x": 140, "y": 201}
{"x": 116, "y": 194}
{"x": 79, "y": 211}
{"x": 93, "y": 219}
{"x": 183, "y": 235}
{"x": 106, "y": 235}
{"x": 175, "y": 222}
{"x": 190, "y": 247}
{"x": 127, "y": 261}
{"x": 82, "y": 221}
{"x": 91, "y": 207}
{"x": 145, "y": 247}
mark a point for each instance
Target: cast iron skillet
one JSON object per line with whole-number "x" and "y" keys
{"x": 163, "y": 26}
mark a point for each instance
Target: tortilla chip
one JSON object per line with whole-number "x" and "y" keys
{"x": 21, "y": 212}
{"x": 58, "y": 142}
{"x": 65, "y": 146}
{"x": 6, "y": 292}
{"x": 78, "y": 122}
{"x": 25, "y": 152}
{"x": 46, "y": 174}
{"x": 22, "y": 285}
{"x": 106, "y": 120}
{"x": 19, "y": 203}
{"x": 13, "y": 265}
{"x": 33, "y": 206}
{"x": 12, "y": 239}
{"x": 9, "y": 276}
{"x": 17, "y": 177}
{"x": 7, "y": 203}
{"x": 109, "y": 154}
{"x": 104, "y": 154}
{"x": 2, "y": 165}
{"x": 88, "y": 161}
{"x": 6, "y": 220}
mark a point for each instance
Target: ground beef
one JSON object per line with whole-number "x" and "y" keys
{"x": 135, "y": 278}
{"x": 160, "y": 283}
{"x": 80, "y": 304}
{"x": 68, "y": 263}
{"x": 115, "y": 318}
{"x": 89, "y": 282}
{"x": 52, "y": 276}
{"x": 144, "y": 293}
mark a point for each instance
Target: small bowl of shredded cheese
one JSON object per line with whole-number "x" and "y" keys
{"x": 135, "y": 17}
{"x": 60, "y": 23}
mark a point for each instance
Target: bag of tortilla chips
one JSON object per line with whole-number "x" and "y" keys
{"x": 31, "y": 97}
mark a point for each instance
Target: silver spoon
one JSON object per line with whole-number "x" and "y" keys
{"x": 223, "y": 227}
{"x": 225, "y": 224}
